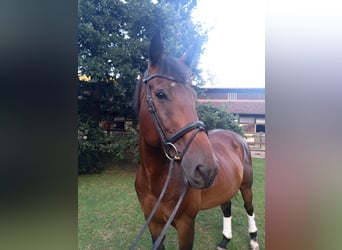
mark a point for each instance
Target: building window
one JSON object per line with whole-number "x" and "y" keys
{"x": 231, "y": 96}
{"x": 247, "y": 120}
{"x": 260, "y": 128}
{"x": 248, "y": 128}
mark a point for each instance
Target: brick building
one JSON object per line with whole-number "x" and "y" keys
{"x": 247, "y": 103}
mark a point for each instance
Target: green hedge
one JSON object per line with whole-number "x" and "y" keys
{"x": 95, "y": 147}
{"x": 217, "y": 117}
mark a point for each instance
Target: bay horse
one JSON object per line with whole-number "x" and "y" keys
{"x": 211, "y": 166}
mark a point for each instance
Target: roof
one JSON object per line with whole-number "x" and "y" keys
{"x": 239, "y": 106}
{"x": 236, "y": 90}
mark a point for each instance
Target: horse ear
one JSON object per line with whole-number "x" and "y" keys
{"x": 156, "y": 49}
{"x": 188, "y": 56}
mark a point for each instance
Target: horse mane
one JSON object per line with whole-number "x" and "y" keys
{"x": 169, "y": 66}
{"x": 136, "y": 97}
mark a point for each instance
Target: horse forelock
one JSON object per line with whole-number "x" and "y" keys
{"x": 172, "y": 66}
{"x": 169, "y": 66}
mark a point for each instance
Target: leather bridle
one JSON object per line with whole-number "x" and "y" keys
{"x": 168, "y": 144}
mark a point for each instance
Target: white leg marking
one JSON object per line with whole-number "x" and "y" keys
{"x": 220, "y": 248}
{"x": 253, "y": 245}
{"x": 251, "y": 224}
{"x": 227, "y": 227}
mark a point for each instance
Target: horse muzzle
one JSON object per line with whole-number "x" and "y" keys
{"x": 201, "y": 176}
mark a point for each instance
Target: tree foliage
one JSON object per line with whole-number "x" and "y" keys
{"x": 114, "y": 37}
{"x": 113, "y": 42}
{"x": 95, "y": 147}
{"x": 217, "y": 117}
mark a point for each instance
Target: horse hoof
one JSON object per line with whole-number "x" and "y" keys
{"x": 220, "y": 248}
{"x": 253, "y": 245}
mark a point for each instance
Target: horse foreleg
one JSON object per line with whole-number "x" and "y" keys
{"x": 185, "y": 232}
{"x": 227, "y": 225}
{"x": 155, "y": 230}
{"x": 252, "y": 229}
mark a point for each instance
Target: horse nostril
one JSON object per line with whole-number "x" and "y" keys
{"x": 199, "y": 172}
{"x": 202, "y": 174}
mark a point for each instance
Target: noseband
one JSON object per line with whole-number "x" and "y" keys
{"x": 168, "y": 143}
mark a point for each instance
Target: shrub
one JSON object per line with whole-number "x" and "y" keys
{"x": 217, "y": 117}
{"x": 96, "y": 147}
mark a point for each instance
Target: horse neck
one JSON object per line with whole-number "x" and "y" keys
{"x": 152, "y": 157}
{"x": 153, "y": 160}
{"x": 154, "y": 169}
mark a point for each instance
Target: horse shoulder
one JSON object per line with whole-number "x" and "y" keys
{"x": 226, "y": 147}
{"x": 226, "y": 141}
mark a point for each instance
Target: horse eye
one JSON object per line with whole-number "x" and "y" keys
{"x": 161, "y": 95}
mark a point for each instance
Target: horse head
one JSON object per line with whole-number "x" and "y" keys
{"x": 168, "y": 116}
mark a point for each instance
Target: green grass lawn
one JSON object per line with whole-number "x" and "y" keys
{"x": 109, "y": 214}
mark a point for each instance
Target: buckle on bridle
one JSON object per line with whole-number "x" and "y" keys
{"x": 168, "y": 147}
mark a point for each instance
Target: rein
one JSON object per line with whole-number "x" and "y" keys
{"x": 168, "y": 144}
{"x": 148, "y": 220}
{"x": 168, "y": 223}
{"x": 172, "y": 216}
